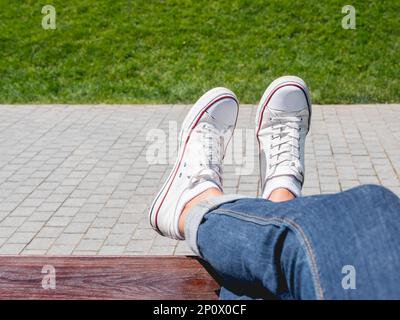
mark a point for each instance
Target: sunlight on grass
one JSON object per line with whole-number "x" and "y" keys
{"x": 141, "y": 51}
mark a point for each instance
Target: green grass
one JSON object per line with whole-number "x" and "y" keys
{"x": 171, "y": 51}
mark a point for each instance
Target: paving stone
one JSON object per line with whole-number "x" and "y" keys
{"x": 124, "y": 228}
{"x": 13, "y": 221}
{"x": 111, "y": 250}
{"x": 164, "y": 250}
{"x": 31, "y": 226}
{"x": 40, "y": 244}
{"x": 116, "y": 203}
{"x": 57, "y": 250}
{"x": 104, "y": 222}
{"x": 118, "y": 239}
{"x": 28, "y": 252}
{"x": 97, "y": 233}
{"x": 32, "y": 202}
{"x": 21, "y": 237}
{"x": 2, "y": 241}
{"x": 96, "y": 198}
{"x": 23, "y": 211}
{"x": 58, "y": 222}
{"x": 89, "y": 245}
{"x": 50, "y": 232}
{"x": 67, "y": 211}
{"x": 130, "y": 218}
{"x": 74, "y": 202}
{"x": 145, "y": 234}
{"x": 9, "y": 206}
{"x": 164, "y": 241}
{"x": 144, "y": 224}
{"x": 49, "y": 206}
{"x": 70, "y": 239}
{"x": 84, "y": 217}
{"x": 77, "y": 227}
{"x": 40, "y": 216}
{"x": 139, "y": 246}
{"x": 348, "y": 184}
{"x": 7, "y": 231}
{"x": 91, "y": 207}
{"x": 12, "y": 248}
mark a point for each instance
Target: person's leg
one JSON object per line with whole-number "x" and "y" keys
{"x": 340, "y": 246}
{"x": 177, "y": 197}
{"x": 209, "y": 193}
{"x": 281, "y": 195}
{"x": 298, "y": 249}
{"x": 197, "y": 173}
{"x": 279, "y": 134}
{"x": 292, "y": 249}
{"x": 278, "y": 195}
{"x": 282, "y": 123}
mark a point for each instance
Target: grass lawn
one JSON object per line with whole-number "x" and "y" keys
{"x": 170, "y": 51}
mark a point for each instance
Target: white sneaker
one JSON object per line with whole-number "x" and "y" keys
{"x": 205, "y": 134}
{"x": 282, "y": 123}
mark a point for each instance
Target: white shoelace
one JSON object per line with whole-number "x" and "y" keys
{"x": 285, "y": 146}
{"x": 209, "y": 155}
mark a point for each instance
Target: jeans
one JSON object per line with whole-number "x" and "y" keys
{"x": 337, "y": 246}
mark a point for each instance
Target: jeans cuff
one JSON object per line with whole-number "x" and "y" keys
{"x": 197, "y": 213}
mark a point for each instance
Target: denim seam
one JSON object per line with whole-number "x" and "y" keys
{"x": 288, "y": 223}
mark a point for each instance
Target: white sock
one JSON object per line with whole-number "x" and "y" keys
{"x": 286, "y": 182}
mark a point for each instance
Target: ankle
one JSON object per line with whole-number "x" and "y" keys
{"x": 209, "y": 193}
{"x": 281, "y": 195}
{"x": 289, "y": 183}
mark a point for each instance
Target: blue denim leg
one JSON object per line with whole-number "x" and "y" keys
{"x": 302, "y": 249}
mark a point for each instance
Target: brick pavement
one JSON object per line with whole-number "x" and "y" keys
{"x": 77, "y": 179}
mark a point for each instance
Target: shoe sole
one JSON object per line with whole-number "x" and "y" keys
{"x": 269, "y": 92}
{"x": 196, "y": 112}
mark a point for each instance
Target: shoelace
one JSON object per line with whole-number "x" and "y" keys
{"x": 285, "y": 146}
{"x": 209, "y": 157}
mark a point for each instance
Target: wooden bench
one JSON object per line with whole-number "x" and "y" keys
{"x": 114, "y": 277}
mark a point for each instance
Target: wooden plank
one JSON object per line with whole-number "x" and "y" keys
{"x": 97, "y": 277}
